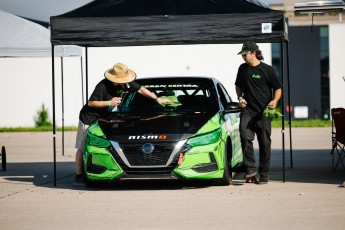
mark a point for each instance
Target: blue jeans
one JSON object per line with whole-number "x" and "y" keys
{"x": 261, "y": 126}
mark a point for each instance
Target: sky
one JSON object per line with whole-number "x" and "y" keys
{"x": 42, "y": 9}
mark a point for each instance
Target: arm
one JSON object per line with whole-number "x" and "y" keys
{"x": 242, "y": 101}
{"x": 98, "y": 97}
{"x": 238, "y": 92}
{"x": 276, "y": 96}
{"x": 101, "y": 104}
{"x": 147, "y": 93}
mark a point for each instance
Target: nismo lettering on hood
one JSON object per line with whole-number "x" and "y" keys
{"x": 147, "y": 137}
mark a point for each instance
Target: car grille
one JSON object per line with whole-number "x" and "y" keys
{"x": 135, "y": 157}
{"x": 149, "y": 171}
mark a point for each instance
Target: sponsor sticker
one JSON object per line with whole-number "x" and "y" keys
{"x": 266, "y": 28}
{"x": 172, "y": 86}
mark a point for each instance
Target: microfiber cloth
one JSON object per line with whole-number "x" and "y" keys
{"x": 272, "y": 113}
{"x": 173, "y": 101}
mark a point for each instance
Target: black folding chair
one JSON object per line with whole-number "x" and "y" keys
{"x": 338, "y": 137}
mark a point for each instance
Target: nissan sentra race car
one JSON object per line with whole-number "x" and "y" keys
{"x": 194, "y": 136}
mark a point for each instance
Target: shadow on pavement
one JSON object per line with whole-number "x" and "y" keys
{"x": 309, "y": 166}
{"x": 37, "y": 173}
{"x": 42, "y": 174}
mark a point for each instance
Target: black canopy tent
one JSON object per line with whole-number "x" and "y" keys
{"x": 114, "y": 23}
{"x": 166, "y": 22}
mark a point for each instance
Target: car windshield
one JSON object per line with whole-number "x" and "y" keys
{"x": 183, "y": 98}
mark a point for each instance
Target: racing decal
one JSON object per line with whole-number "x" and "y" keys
{"x": 172, "y": 86}
{"x": 211, "y": 125}
{"x": 141, "y": 138}
{"x": 233, "y": 118}
{"x": 148, "y": 137}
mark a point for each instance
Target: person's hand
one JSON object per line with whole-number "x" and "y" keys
{"x": 162, "y": 100}
{"x": 115, "y": 101}
{"x": 243, "y": 102}
{"x": 272, "y": 105}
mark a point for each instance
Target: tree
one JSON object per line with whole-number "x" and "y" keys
{"x": 42, "y": 117}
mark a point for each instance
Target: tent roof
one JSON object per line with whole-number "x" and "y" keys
{"x": 161, "y": 22}
{"x": 119, "y": 8}
{"x": 22, "y": 38}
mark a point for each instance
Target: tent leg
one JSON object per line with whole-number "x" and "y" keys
{"x": 87, "y": 74}
{"x": 282, "y": 105}
{"x": 63, "y": 110}
{"x": 54, "y": 129}
{"x": 82, "y": 83}
{"x": 289, "y": 102}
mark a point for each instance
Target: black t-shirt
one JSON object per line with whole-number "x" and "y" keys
{"x": 257, "y": 83}
{"x": 105, "y": 90}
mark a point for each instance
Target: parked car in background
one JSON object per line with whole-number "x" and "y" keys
{"x": 195, "y": 136}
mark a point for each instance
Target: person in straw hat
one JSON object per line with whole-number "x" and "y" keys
{"x": 107, "y": 94}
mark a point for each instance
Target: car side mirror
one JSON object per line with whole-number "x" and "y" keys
{"x": 232, "y": 107}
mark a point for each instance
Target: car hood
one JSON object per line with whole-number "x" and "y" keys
{"x": 168, "y": 127}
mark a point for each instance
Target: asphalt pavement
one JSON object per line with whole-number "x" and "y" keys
{"x": 308, "y": 194}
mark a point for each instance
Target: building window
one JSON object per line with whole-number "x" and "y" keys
{"x": 324, "y": 63}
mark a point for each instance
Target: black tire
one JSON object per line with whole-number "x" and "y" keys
{"x": 90, "y": 183}
{"x": 3, "y": 158}
{"x": 226, "y": 179}
{"x": 93, "y": 183}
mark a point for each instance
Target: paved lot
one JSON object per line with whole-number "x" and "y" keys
{"x": 311, "y": 197}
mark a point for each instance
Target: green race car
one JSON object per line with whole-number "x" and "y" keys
{"x": 194, "y": 136}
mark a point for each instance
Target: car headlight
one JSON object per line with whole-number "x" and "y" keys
{"x": 97, "y": 141}
{"x": 206, "y": 139}
{"x": 95, "y": 136}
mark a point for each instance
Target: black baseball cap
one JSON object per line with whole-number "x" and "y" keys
{"x": 248, "y": 46}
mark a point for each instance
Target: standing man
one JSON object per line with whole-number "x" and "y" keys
{"x": 107, "y": 95}
{"x": 257, "y": 87}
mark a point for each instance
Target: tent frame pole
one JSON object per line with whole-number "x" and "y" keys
{"x": 54, "y": 125}
{"x": 62, "y": 110}
{"x": 282, "y": 60}
{"x": 86, "y": 73}
{"x": 82, "y": 81}
{"x": 289, "y": 101}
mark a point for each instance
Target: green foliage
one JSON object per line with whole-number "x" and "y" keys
{"x": 275, "y": 124}
{"x": 273, "y": 114}
{"x": 302, "y": 123}
{"x": 38, "y": 129}
{"x": 42, "y": 118}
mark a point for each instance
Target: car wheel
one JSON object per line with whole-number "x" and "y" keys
{"x": 3, "y": 158}
{"x": 226, "y": 179}
{"x": 93, "y": 183}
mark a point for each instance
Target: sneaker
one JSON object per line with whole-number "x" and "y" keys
{"x": 251, "y": 178}
{"x": 249, "y": 175}
{"x": 79, "y": 180}
{"x": 263, "y": 180}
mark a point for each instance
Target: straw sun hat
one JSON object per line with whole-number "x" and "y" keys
{"x": 120, "y": 74}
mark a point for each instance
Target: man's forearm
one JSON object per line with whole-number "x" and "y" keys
{"x": 277, "y": 94}
{"x": 98, "y": 104}
{"x": 147, "y": 93}
{"x": 238, "y": 92}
